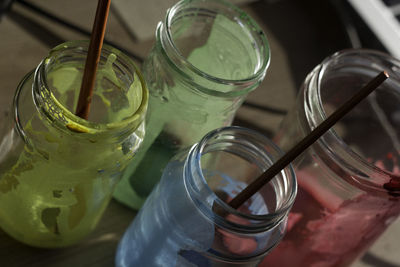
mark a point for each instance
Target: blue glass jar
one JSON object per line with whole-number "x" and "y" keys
{"x": 179, "y": 224}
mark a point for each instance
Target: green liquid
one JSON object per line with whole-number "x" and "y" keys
{"x": 181, "y": 117}
{"x": 46, "y": 203}
{"x": 152, "y": 165}
{"x": 54, "y": 197}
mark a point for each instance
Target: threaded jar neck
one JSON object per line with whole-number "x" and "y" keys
{"x": 214, "y": 47}
{"x": 251, "y": 153}
{"x": 120, "y": 95}
{"x": 356, "y": 148}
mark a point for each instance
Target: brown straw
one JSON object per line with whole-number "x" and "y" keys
{"x": 270, "y": 173}
{"x": 92, "y": 59}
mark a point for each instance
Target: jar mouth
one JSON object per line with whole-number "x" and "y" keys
{"x": 361, "y": 170}
{"x": 251, "y": 145}
{"x": 61, "y": 116}
{"x": 210, "y": 10}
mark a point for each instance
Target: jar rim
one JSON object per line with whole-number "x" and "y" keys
{"x": 289, "y": 195}
{"x": 224, "y": 6}
{"x": 321, "y": 115}
{"x": 72, "y": 122}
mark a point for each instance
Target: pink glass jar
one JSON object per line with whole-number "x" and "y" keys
{"x": 349, "y": 182}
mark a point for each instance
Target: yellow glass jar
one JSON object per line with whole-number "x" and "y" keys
{"x": 58, "y": 171}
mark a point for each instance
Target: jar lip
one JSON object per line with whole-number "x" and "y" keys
{"x": 199, "y": 148}
{"x": 74, "y": 121}
{"x": 321, "y": 114}
{"x": 259, "y": 74}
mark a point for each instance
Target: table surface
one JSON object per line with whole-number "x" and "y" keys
{"x": 300, "y": 33}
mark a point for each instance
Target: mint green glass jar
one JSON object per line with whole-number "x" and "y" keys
{"x": 207, "y": 57}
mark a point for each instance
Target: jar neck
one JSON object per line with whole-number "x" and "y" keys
{"x": 116, "y": 72}
{"x": 257, "y": 151}
{"x": 332, "y": 149}
{"x": 187, "y": 17}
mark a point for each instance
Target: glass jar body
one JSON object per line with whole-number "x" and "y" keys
{"x": 179, "y": 224}
{"x": 347, "y": 195}
{"x": 58, "y": 171}
{"x": 191, "y": 91}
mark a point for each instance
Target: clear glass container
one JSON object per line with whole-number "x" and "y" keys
{"x": 349, "y": 183}
{"x": 58, "y": 171}
{"x": 186, "y": 221}
{"x": 207, "y": 57}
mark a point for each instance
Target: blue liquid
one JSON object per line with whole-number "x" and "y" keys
{"x": 160, "y": 229}
{"x": 170, "y": 230}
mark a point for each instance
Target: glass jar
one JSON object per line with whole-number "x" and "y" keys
{"x": 58, "y": 171}
{"x": 186, "y": 221}
{"x": 349, "y": 184}
{"x": 207, "y": 57}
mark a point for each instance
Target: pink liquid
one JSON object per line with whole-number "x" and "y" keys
{"x": 325, "y": 230}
